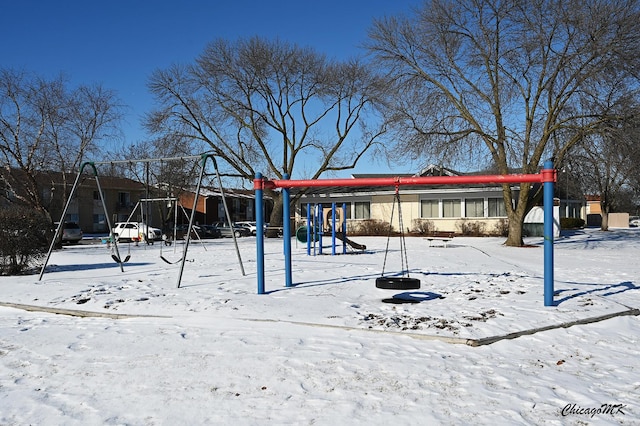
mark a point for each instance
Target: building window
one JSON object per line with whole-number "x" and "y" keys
{"x": 362, "y": 210}
{"x": 450, "y": 208}
{"x": 124, "y": 199}
{"x": 347, "y": 213}
{"x": 474, "y": 207}
{"x": 496, "y": 207}
{"x": 429, "y": 208}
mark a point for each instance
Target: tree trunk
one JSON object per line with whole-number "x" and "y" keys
{"x": 604, "y": 225}
{"x": 516, "y": 215}
{"x": 514, "y": 239}
{"x": 275, "y": 220}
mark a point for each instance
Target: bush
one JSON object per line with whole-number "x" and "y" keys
{"x": 423, "y": 226}
{"x": 372, "y": 227}
{"x": 571, "y": 223}
{"x": 470, "y": 228}
{"x": 501, "y": 228}
{"x": 23, "y": 239}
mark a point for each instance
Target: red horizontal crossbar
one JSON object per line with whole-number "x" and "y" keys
{"x": 547, "y": 175}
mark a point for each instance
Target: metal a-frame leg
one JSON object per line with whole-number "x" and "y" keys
{"x": 193, "y": 213}
{"x": 64, "y": 213}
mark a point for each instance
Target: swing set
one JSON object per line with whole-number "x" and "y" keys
{"x": 170, "y": 239}
{"x": 143, "y": 232}
{"x": 114, "y": 241}
{"x": 547, "y": 177}
{"x": 393, "y": 282}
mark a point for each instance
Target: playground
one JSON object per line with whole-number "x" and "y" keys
{"x": 489, "y": 285}
{"x": 353, "y": 318}
{"x": 474, "y": 342}
{"x": 468, "y": 331}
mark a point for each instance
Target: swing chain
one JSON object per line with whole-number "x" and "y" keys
{"x": 386, "y": 250}
{"x": 403, "y": 245}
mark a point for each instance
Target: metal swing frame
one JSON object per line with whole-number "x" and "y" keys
{"x": 175, "y": 220}
{"x": 92, "y": 165}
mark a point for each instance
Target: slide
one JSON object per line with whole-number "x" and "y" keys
{"x": 353, "y": 244}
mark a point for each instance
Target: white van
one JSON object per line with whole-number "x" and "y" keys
{"x": 135, "y": 231}
{"x": 251, "y": 226}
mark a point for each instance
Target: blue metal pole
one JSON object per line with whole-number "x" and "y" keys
{"x": 318, "y": 230}
{"x": 259, "y": 233}
{"x": 548, "y": 232}
{"x": 308, "y": 229}
{"x": 286, "y": 233}
{"x": 344, "y": 228}
{"x": 333, "y": 229}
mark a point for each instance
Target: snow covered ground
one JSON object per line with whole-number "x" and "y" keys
{"x": 477, "y": 346}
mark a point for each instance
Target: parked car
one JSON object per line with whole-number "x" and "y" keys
{"x": 634, "y": 221}
{"x": 71, "y": 232}
{"x": 135, "y": 231}
{"x": 210, "y": 231}
{"x": 198, "y": 231}
{"x": 181, "y": 230}
{"x": 251, "y": 226}
{"x": 226, "y": 231}
{"x": 268, "y": 227}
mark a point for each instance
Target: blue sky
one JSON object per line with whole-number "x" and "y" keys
{"x": 120, "y": 43}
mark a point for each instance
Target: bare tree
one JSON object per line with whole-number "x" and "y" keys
{"x": 167, "y": 177}
{"x": 606, "y": 165}
{"x": 268, "y": 106}
{"x": 506, "y": 82}
{"x": 46, "y": 132}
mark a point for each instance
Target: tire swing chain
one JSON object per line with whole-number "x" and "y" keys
{"x": 404, "y": 282}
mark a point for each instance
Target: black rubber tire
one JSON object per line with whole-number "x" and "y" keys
{"x": 397, "y": 283}
{"x": 397, "y": 300}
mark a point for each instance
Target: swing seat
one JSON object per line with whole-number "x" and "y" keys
{"x": 118, "y": 260}
{"x": 397, "y": 283}
{"x": 170, "y": 262}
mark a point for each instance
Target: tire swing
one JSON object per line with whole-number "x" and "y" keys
{"x": 404, "y": 282}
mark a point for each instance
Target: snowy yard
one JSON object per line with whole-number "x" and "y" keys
{"x": 476, "y": 346}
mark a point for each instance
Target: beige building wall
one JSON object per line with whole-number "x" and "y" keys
{"x": 593, "y": 207}
{"x": 618, "y": 220}
{"x": 383, "y": 205}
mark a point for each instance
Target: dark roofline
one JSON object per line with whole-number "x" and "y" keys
{"x": 47, "y": 177}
